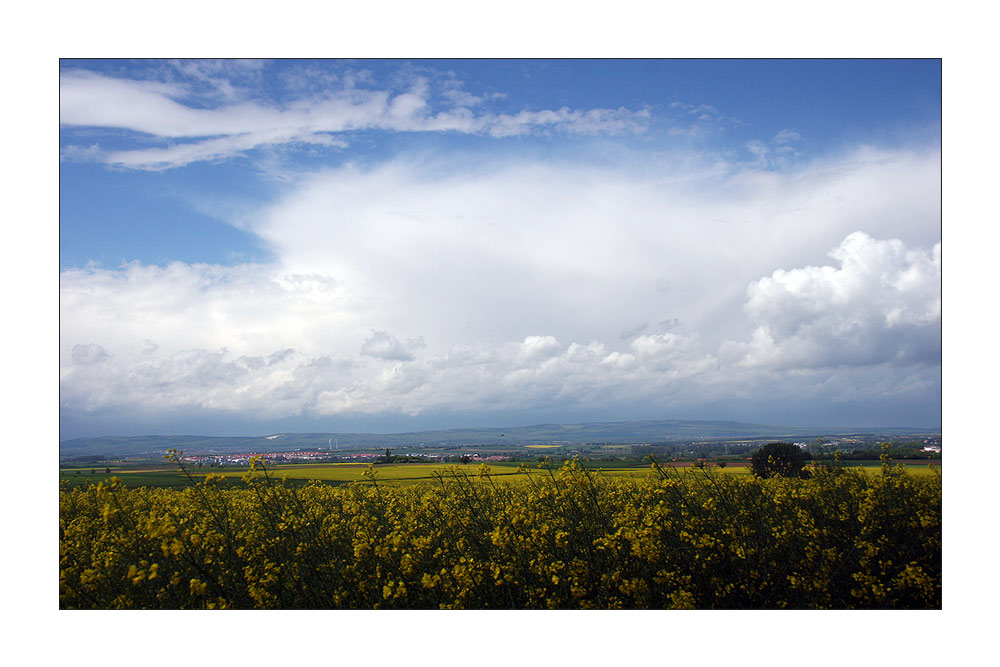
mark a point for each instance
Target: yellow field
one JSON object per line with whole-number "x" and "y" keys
{"x": 393, "y": 475}
{"x": 402, "y": 474}
{"x": 570, "y": 539}
{"x": 408, "y": 473}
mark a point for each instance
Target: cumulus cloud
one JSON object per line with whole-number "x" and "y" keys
{"x": 530, "y": 248}
{"x": 419, "y": 286}
{"x": 229, "y": 123}
{"x": 383, "y": 345}
{"x": 285, "y": 383}
{"x": 248, "y": 309}
{"x": 882, "y": 304}
{"x": 539, "y": 348}
{"x": 507, "y": 376}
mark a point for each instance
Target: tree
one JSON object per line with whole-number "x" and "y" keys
{"x": 779, "y": 459}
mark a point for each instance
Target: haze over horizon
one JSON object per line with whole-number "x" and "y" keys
{"x": 389, "y": 246}
{"x": 223, "y": 433}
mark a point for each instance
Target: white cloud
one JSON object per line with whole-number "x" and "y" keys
{"x": 580, "y": 252}
{"x": 883, "y": 304}
{"x": 513, "y": 283}
{"x": 236, "y": 124}
{"x": 247, "y": 309}
{"x": 776, "y": 151}
{"x": 785, "y": 137}
{"x": 539, "y": 348}
{"x": 593, "y": 121}
{"x": 383, "y": 345}
{"x": 154, "y": 159}
{"x": 76, "y": 153}
{"x": 673, "y": 354}
{"x": 87, "y": 355}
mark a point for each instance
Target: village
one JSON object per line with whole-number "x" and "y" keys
{"x": 320, "y": 456}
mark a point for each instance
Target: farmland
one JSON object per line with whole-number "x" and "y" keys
{"x": 682, "y": 525}
{"x": 587, "y": 439}
{"x": 559, "y": 537}
{"x": 146, "y": 474}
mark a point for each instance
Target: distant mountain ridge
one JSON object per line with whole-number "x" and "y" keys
{"x": 649, "y": 431}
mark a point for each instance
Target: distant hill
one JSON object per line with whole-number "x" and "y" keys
{"x": 607, "y": 432}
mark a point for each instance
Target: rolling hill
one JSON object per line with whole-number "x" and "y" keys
{"x": 592, "y": 432}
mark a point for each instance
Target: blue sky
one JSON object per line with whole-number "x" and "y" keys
{"x": 255, "y": 247}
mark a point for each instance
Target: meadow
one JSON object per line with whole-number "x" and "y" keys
{"x": 549, "y": 537}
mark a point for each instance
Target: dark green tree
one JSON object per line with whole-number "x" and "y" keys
{"x": 779, "y": 459}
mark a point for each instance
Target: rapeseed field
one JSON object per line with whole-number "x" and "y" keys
{"x": 559, "y": 538}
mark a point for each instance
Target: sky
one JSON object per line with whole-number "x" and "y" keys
{"x": 253, "y": 247}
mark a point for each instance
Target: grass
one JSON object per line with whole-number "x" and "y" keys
{"x": 159, "y": 478}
